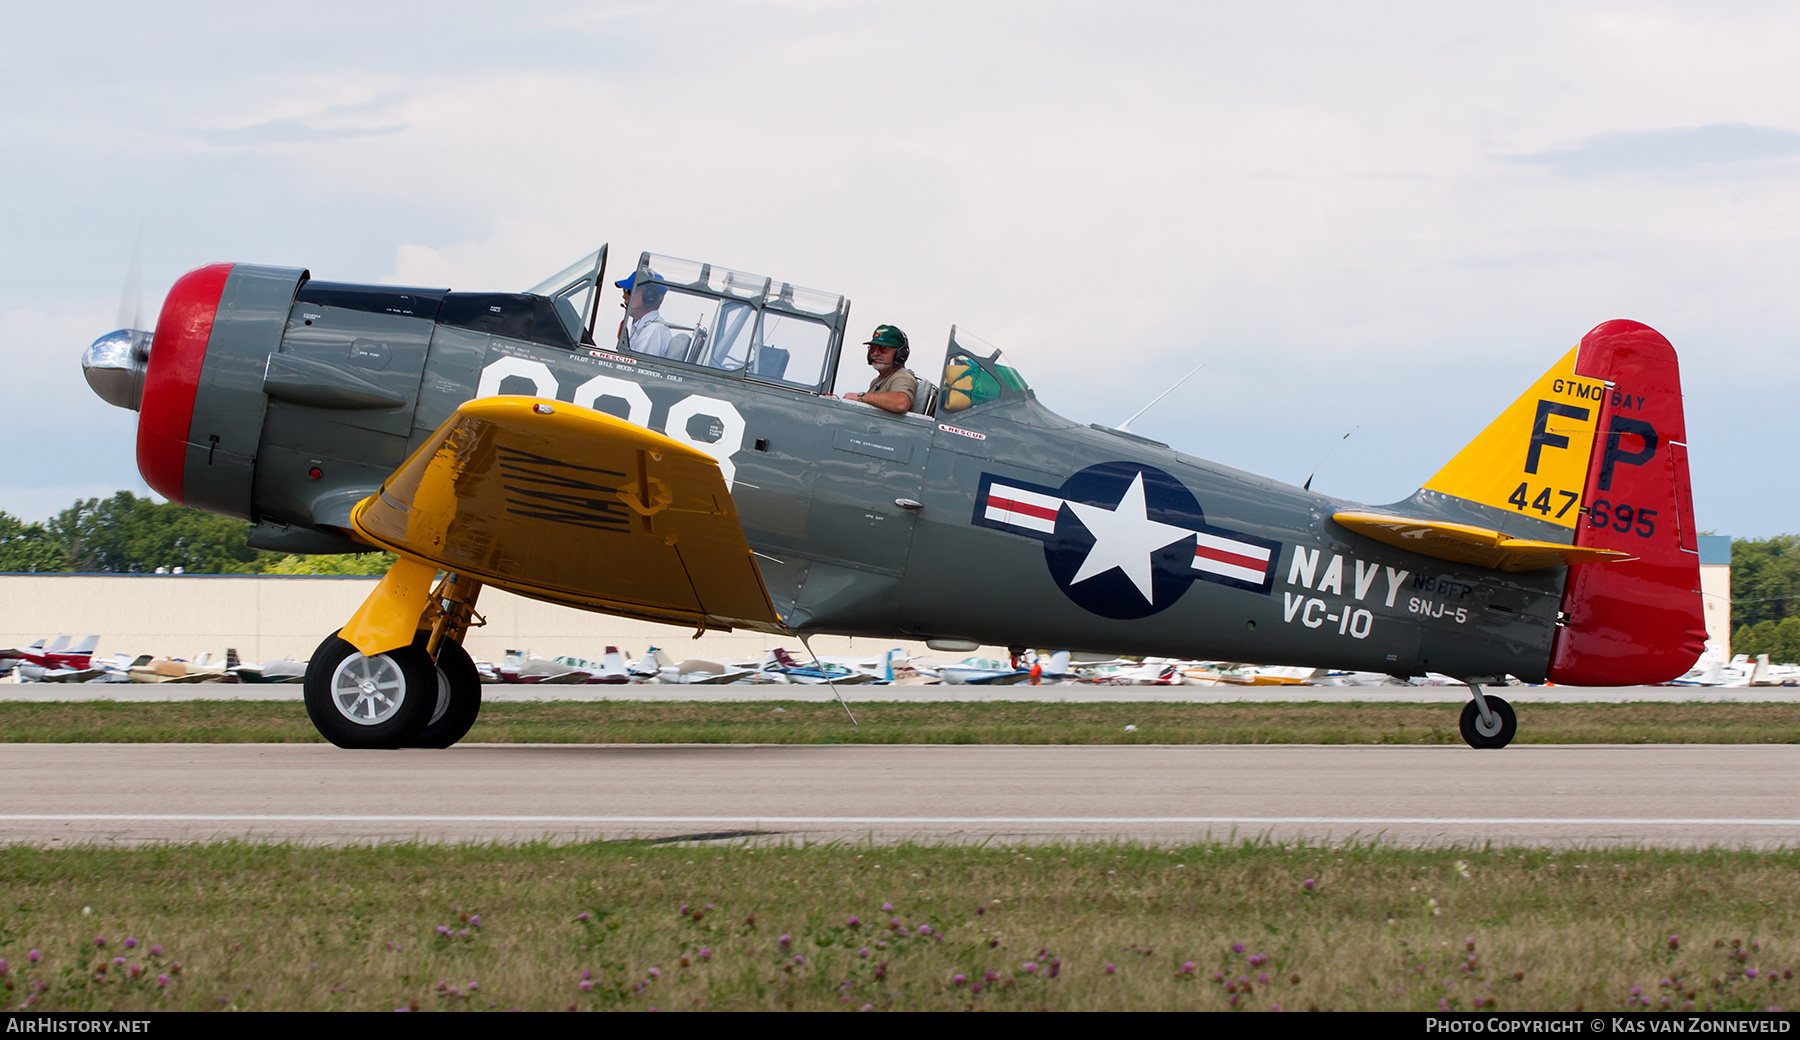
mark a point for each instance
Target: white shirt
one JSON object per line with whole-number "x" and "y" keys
{"x": 651, "y": 335}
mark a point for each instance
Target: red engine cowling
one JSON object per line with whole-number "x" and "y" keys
{"x": 172, "y": 377}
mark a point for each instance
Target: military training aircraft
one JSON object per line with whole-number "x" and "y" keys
{"x": 696, "y": 469}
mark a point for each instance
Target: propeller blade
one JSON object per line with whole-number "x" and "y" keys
{"x": 131, "y": 298}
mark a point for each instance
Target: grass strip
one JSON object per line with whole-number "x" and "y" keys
{"x": 810, "y": 722}
{"x": 744, "y": 926}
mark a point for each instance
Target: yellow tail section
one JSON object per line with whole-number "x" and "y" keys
{"x": 1533, "y": 459}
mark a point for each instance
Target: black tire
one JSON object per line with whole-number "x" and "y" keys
{"x": 383, "y": 701}
{"x": 1503, "y": 714}
{"x": 458, "y": 700}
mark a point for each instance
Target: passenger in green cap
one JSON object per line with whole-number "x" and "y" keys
{"x": 893, "y": 387}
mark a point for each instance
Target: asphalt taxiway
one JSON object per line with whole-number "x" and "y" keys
{"x": 1665, "y": 795}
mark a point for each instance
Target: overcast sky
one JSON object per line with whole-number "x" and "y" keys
{"x": 1382, "y": 217}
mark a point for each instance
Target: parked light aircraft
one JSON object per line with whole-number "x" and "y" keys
{"x": 719, "y": 484}
{"x": 50, "y": 654}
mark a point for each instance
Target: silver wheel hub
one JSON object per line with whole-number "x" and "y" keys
{"x": 367, "y": 690}
{"x": 1488, "y": 727}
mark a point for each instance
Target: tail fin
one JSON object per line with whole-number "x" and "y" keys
{"x": 1639, "y": 620}
{"x": 1533, "y": 460}
{"x": 1598, "y": 447}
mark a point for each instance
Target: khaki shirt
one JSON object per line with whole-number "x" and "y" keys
{"x": 898, "y": 380}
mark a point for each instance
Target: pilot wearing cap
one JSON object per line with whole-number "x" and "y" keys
{"x": 649, "y": 334}
{"x": 893, "y": 387}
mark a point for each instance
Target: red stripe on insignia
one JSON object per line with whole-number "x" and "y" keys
{"x": 1024, "y": 509}
{"x": 1249, "y": 563}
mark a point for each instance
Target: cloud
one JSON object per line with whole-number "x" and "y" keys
{"x": 1736, "y": 148}
{"x": 295, "y": 131}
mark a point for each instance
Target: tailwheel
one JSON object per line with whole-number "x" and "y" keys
{"x": 458, "y": 697}
{"x": 1496, "y": 731}
{"x": 384, "y": 701}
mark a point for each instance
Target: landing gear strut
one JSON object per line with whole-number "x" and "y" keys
{"x": 446, "y": 622}
{"x": 426, "y": 695}
{"x": 1487, "y": 721}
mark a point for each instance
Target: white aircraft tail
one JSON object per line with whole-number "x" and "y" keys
{"x": 86, "y": 646}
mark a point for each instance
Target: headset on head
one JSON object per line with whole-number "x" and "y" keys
{"x": 903, "y": 351}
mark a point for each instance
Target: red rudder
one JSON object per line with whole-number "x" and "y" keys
{"x": 1637, "y": 621}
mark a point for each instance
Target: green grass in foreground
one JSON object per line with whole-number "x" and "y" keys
{"x": 823, "y": 722}
{"x": 742, "y": 927}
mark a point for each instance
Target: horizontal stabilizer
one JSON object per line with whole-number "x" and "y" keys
{"x": 1466, "y": 543}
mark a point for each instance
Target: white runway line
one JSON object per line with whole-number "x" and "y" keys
{"x": 886, "y": 821}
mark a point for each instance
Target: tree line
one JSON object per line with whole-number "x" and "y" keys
{"x": 1765, "y": 597}
{"x": 126, "y": 534}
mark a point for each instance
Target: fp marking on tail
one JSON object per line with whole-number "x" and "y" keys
{"x": 1533, "y": 459}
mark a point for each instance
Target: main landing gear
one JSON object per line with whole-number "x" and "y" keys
{"x": 426, "y": 695}
{"x": 1488, "y": 721}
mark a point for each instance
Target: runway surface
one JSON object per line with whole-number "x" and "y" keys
{"x": 1685, "y": 795}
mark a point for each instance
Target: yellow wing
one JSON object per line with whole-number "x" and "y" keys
{"x": 568, "y": 505}
{"x": 1466, "y": 543}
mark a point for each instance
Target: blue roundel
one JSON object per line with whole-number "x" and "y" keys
{"x": 1124, "y": 542}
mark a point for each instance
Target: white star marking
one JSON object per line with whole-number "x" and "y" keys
{"x": 1124, "y": 537}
